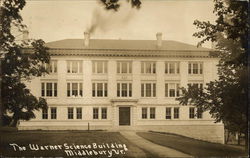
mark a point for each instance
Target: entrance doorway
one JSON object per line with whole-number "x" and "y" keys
{"x": 124, "y": 116}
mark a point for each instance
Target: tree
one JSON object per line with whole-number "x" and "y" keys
{"x": 225, "y": 98}
{"x": 19, "y": 66}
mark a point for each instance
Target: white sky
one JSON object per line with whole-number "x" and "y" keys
{"x": 62, "y": 19}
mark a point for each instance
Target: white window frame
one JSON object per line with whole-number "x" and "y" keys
{"x": 176, "y": 67}
{"x": 168, "y": 90}
{"x": 79, "y": 88}
{"x": 54, "y": 89}
{"x": 120, "y": 66}
{"x": 152, "y": 90}
{"x": 120, "y": 90}
{"x": 151, "y": 64}
{"x": 51, "y": 67}
{"x": 191, "y": 70}
{"x": 69, "y": 67}
{"x": 104, "y": 66}
{"x": 95, "y": 89}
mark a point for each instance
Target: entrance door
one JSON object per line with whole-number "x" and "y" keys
{"x": 124, "y": 116}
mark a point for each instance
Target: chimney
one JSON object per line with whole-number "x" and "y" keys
{"x": 159, "y": 39}
{"x": 25, "y": 35}
{"x": 86, "y": 39}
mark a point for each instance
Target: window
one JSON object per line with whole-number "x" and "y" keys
{"x": 199, "y": 113}
{"x": 168, "y": 113}
{"x": 172, "y": 67}
{"x": 70, "y": 113}
{"x": 95, "y": 113}
{"x": 124, "y": 67}
{"x": 52, "y": 66}
{"x": 191, "y": 112}
{"x": 53, "y": 113}
{"x": 195, "y": 68}
{"x": 176, "y": 113}
{"x": 144, "y": 113}
{"x": 99, "y": 89}
{"x": 172, "y": 90}
{"x": 152, "y": 113}
{"x": 104, "y": 113}
{"x": 48, "y": 89}
{"x": 124, "y": 89}
{"x": 74, "y": 89}
{"x": 78, "y": 113}
{"x": 45, "y": 114}
{"x": 74, "y": 66}
{"x": 99, "y": 67}
{"x": 148, "y": 67}
{"x": 148, "y": 89}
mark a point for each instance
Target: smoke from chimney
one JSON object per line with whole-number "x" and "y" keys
{"x": 106, "y": 20}
{"x": 86, "y": 39}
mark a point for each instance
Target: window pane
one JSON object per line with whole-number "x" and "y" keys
{"x": 99, "y": 67}
{"x": 154, "y": 68}
{"x": 130, "y": 67}
{"x": 104, "y": 113}
{"x": 99, "y": 89}
{"x": 191, "y": 113}
{"x": 74, "y": 89}
{"x": 118, "y": 67}
{"x": 171, "y": 68}
{"x": 55, "y": 66}
{"x": 148, "y": 68}
{"x": 168, "y": 113}
{"x": 70, "y": 113}
{"x": 176, "y": 113}
{"x": 152, "y": 113}
{"x": 68, "y": 89}
{"x": 195, "y": 68}
{"x": 144, "y": 113}
{"x": 166, "y": 90}
{"x": 93, "y": 89}
{"x": 189, "y": 68}
{"x": 49, "y": 89}
{"x": 124, "y": 89}
{"x": 95, "y": 113}
{"x": 105, "y": 89}
{"x": 74, "y": 66}
{"x": 45, "y": 114}
{"x": 201, "y": 68}
{"x": 124, "y": 67}
{"x": 118, "y": 89}
{"x": 199, "y": 113}
{"x": 166, "y": 68}
{"x": 78, "y": 113}
{"x": 178, "y": 67}
{"x": 68, "y": 66}
{"x": 148, "y": 90}
{"x": 80, "y": 86}
{"x": 43, "y": 89}
{"x": 130, "y": 89}
{"x": 154, "y": 89}
{"x": 53, "y": 113}
{"x": 55, "y": 89}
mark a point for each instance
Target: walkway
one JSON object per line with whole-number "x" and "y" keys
{"x": 159, "y": 150}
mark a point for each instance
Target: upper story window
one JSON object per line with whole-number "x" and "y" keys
{"x": 49, "y": 89}
{"x": 124, "y": 67}
{"x": 124, "y": 89}
{"x": 148, "y": 67}
{"x": 172, "y": 67}
{"x": 195, "y": 68}
{"x": 99, "y": 67}
{"x": 74, "y": 66}
{"x": 100, "y": 89}
{"x": 148, "y": 90}
{"x": 172, "y": 90}
{"x": 52, "y": 66}
{"x": 74, "y": 89}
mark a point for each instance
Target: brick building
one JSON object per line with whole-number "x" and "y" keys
{"x": 124, "y": 85}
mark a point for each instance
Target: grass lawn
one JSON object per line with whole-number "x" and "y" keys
{"x": 191, "y": 146}
{"x": 54, "y": 138}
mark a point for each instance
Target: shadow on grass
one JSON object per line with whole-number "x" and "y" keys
{"x": 192, "y": 146}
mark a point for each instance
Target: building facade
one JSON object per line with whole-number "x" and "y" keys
{"x": 124, "y": 85}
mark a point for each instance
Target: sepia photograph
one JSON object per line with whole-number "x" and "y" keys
{"x": 124, "y": 78}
